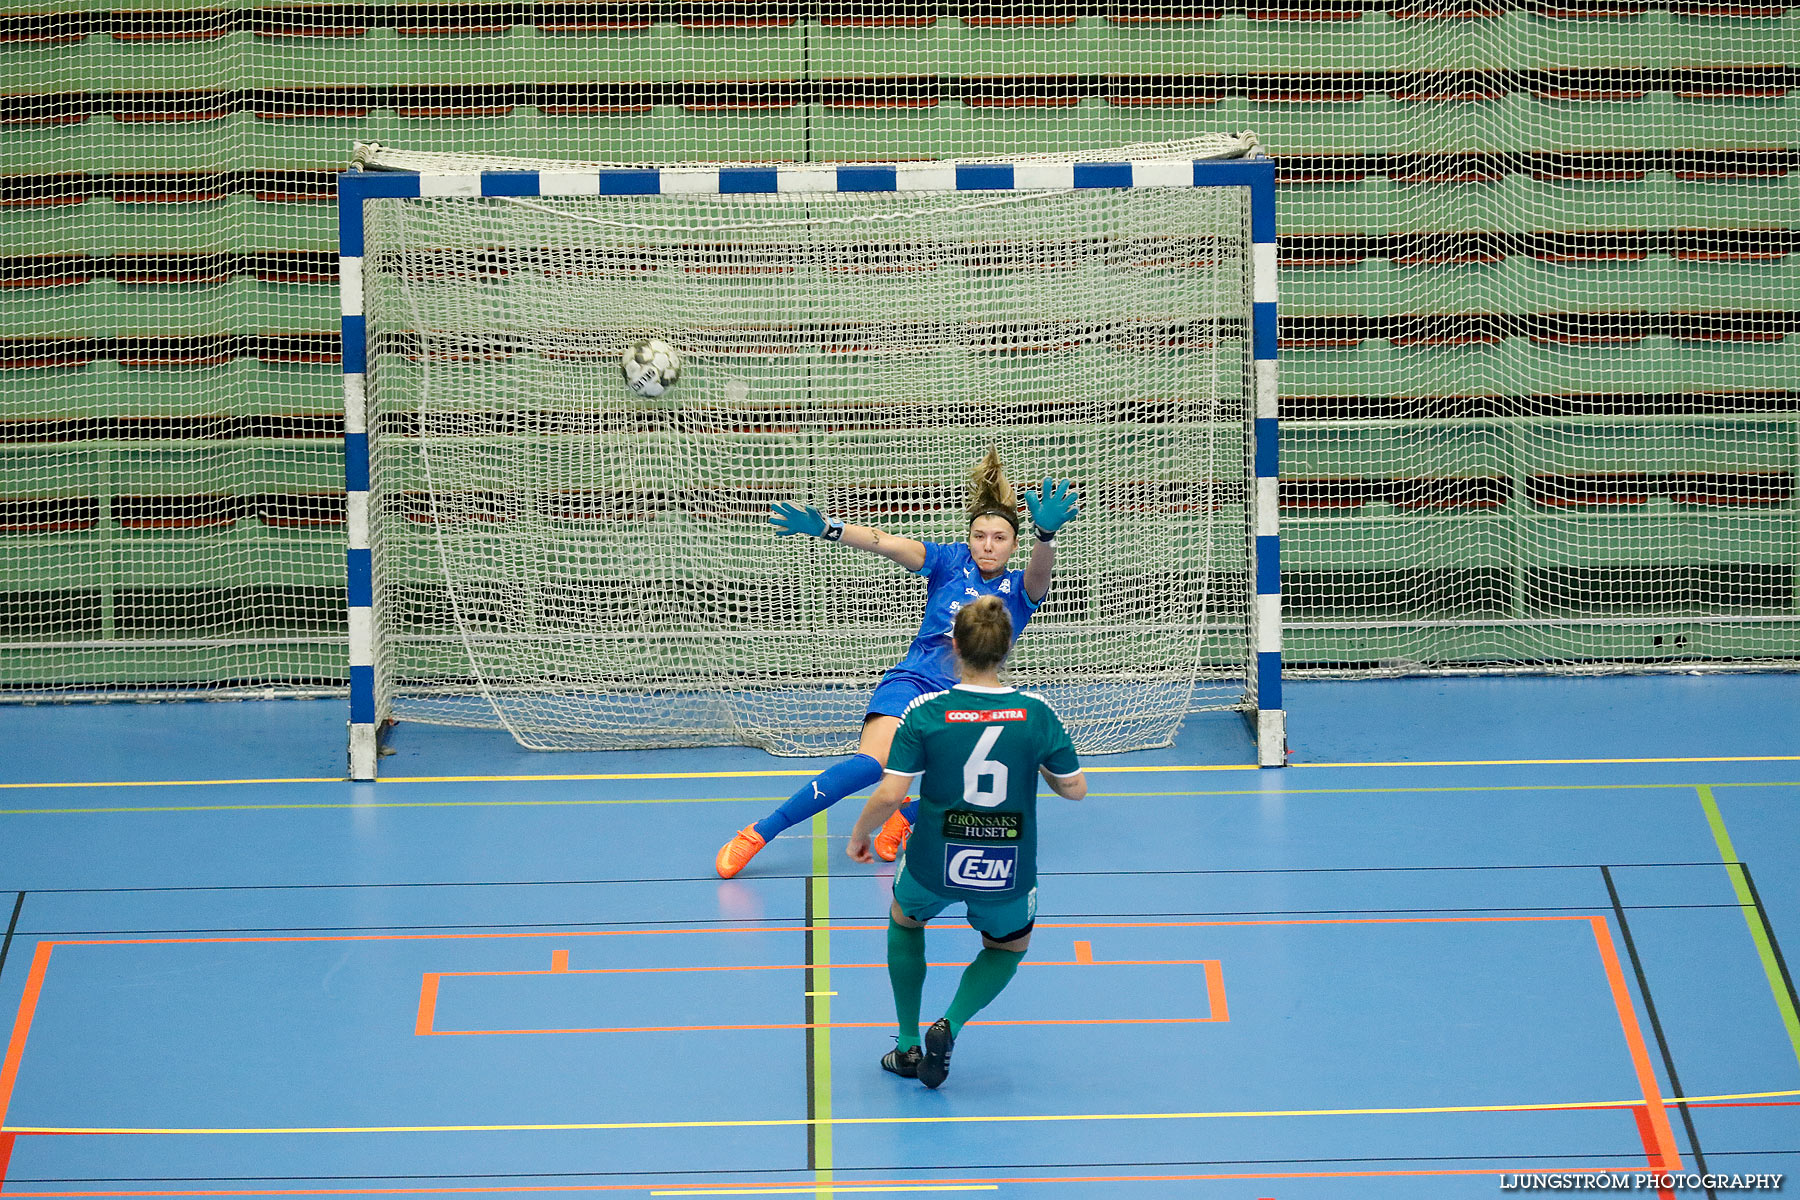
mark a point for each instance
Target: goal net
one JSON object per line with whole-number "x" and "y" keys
{"x": 588, "y": 568}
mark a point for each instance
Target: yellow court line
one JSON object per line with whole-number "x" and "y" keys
{"x": 1170, "y": 769}
{"x": 361, "y": 805}
{"x": 779, "y": 1122}
{"x": 1553, "y": 762}
{"x": 157, "y": 783}
{"x": 605, "y": 801}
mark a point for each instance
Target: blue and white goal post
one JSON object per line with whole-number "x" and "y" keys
{"x": 1254, "y": 566}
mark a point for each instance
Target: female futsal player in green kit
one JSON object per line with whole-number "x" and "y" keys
{"x": 979, "y": 748}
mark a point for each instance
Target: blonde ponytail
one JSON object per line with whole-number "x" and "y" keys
{"x": 989, "y": 492}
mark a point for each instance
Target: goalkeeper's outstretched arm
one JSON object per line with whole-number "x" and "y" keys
{"x": 1052, "y": 507}
{"x": 790, "y": 518}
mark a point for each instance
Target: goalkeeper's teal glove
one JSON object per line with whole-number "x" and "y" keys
{"x": 789, "y": 518}
{"x": 1052, "y": 508}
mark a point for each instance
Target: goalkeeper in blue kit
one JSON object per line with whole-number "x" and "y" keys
{"x": 955, "y": 574}
{"x": 977, "y": 750}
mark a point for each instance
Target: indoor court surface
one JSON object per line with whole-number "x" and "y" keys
{"x": 1479, "y": 928}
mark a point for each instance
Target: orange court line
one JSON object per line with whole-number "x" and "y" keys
{"x": 424, "y": 1026}
{"x": 1647, "y": 1133}
{"x": 1661, "y": 1149}
{"x": 1215, "y": 991}
{"x": 832, "y": 1025}
{"x": 1084, "y": 952}
{"x": 15, "y": 1046}
{"x": 41, "y": 959}
{"x": 1738, "y": 1103}
{"x": 1641, "y": 1117}
{"x": 428, "y": 992}
{"x": 565, "y": 969}
{"x": 490, "y": 1189}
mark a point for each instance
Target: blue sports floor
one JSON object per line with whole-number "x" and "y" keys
{"x": 1479, "y": 929}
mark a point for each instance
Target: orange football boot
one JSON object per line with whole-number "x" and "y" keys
{"x": 891, "y": 839}
{"x": 736, "y": 854}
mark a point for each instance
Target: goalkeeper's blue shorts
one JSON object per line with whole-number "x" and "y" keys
{"x": 899, "y": 688}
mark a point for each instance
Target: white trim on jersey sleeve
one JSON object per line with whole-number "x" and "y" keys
{"x": 916, "y": 701}
{"x": 1070, "y": 775}
{"x": 908, "y": 774}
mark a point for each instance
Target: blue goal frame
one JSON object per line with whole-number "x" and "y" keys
{"x": 355, "y": 188}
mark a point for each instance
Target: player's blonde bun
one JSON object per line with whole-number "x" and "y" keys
{"x": 983, "y": 633}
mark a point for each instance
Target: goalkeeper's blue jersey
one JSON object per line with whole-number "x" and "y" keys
{"x": 952, "y": 580}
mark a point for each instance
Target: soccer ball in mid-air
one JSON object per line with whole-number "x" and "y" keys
{"x": 651, "y": 367}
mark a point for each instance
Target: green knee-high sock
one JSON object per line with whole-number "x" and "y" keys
{"x": 906, "y": 972}
{"x": 982, "y": 980}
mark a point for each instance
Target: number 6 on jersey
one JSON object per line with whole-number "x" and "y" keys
{"x": 981, "y": 768}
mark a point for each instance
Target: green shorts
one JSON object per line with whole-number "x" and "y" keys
{"x": 1003, "y": 919}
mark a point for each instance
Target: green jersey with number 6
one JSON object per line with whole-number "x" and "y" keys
{"x": 978, "y": 750}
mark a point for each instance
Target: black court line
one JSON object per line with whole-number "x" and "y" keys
{"x": 1762, "y": 915}
{"x": 846, "y": 874}
{"x": 1662, "y": 1042}
{"x": 11, "y": 926}
{"x": 1586, "y": 866}
{"x": 779, "y": 924}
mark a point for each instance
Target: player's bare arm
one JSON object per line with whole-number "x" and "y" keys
{"x": 1038, "y": 569}
{"x": 891, "y": 546}
{"x": 790, "y": 517}
{"x": 1069, "y": 787}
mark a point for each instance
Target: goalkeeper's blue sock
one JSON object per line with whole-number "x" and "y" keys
{"x": 827, "y": 788}
{"x": 910, "y": 810}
